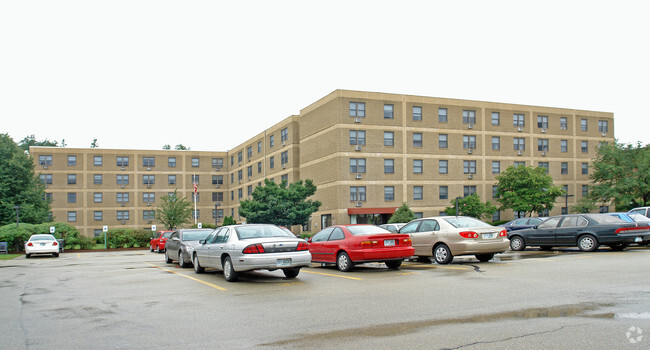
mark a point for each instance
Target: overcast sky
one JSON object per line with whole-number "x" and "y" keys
{"x": 211, "y": 74}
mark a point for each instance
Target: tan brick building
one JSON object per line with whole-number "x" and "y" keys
{"x": 367, "y": 153}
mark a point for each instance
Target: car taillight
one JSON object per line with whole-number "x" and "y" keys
{"x": 302, "y": 246}
{"x": 254, "y": 249}
{"x": 369, "y": 244}
{"x": 407, "y": 241}
{"x": 468, "y": 234}
{"x": 30, "y": 244}
{"x": 55, "y": 243}
{"x": 627, "y": 229}
{"x": 503, "y": 233}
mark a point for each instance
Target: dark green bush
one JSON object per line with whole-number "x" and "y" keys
{"x": 16, "y": 237}
{"x": 127, "y": 238}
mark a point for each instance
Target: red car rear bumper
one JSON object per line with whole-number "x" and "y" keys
{"x": 380, "y": 254}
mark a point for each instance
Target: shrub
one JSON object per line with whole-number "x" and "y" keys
{"x": 127, "y": 238}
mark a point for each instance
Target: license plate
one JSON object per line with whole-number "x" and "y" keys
{"x": 638, "y": 239}
{"x": 489, "y": 235}
{"x": 389, "y": 242}
{"x": 42, "y": 244}
{"x": 283, "y": 262}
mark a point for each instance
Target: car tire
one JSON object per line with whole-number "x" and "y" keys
{"x": 158, "y": 249}
{"x": 517, "y": 243}
{"x": 292, "y": 272}
{"x": 150, "y": 248}
{"x": 442, "y": 255}
{"x": 587, "y": 243}
{"x": 393, "y": 264}
{"x": 197, "y": 266}
{"x": 343, "y": 262}
{"x": 229, "y": 271}
{"x": 27, "y": 256}
{"x": 484, "y": 257}
{"x": 167, "y": 258}
{"x": 181, "y": 260}
{"x": 618, "y": 247}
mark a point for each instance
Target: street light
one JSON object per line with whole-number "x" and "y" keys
{"x": 17, "y": 207}
{"x": 566, "y": 201}
{"x": 216, "y": 214}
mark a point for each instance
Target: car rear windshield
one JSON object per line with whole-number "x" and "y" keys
{"x": 604, "y": 218}
{"x": 42, "y": 238}
{"x": 466, "y": 222}
{"x": 249, "y": 232}
{"x": 363, "y": 230}
{"x": 196, "y": 235}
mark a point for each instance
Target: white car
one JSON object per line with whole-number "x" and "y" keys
{"x": 42, "y": 244}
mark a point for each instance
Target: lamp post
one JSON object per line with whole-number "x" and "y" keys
{"x": 17, "y": 207}
{"x": 566, "y": 201}
{"x": 216, "y": 214}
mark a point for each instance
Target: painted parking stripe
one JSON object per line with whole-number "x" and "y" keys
{"x": 437, "y": 267}
{"x": 192, "y": 278}
{"x": 331, "y": 275}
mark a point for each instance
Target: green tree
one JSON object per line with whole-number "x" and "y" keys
{"x": 181, "y": 147}
{"x": 30, "y": 140}
{"x": 280, "y": 204}
{"x": 19, "y": 186}
{"x": 471, "y": 206}
{"x": 526, "y": 189}
{"x": 584, "y": 205}
{"x": 174, "y": 210}
{"x": 402, "y": 214}
{"x": 167, "y": 147}
{"x": 621, "y": 173}
{"x": 228, "y": 220}
{"x": 94, "y": 143}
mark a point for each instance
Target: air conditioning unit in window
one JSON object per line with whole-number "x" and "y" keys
{"x": 123, "y": 222}
{"x": 543, "y": 130}
{"x": 123, "y": 204}
{"x": 149, "y": 222}
{"x": 357, "y": 148}
{"x": 543, "y": 154}
{"x": 519, "y": 153}
{"x": 284, "y": 143}
{"x": 470, "y": 177}
{"x": 217, "y": 186}
{"x": 45, "y": 166}
{"x": 358, "y": 176}
{"x": 470, "y": 151}
{"x": 122, "y": 168}
{"x": 148, "y": 204}
{"x": 520, "y": 129}
{"x": 470, "y": 126}
{"x": 284, "y": 166}
{"x": 357, "y": 120}
{"x": 148, "y": 186}
{"x": 148, "y": 169}
{"x": 604, "y": 134}
{"x": 358, "y": 204}
{"x": 122, "y": 186}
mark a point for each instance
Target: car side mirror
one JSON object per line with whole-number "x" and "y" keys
{"x": 202, "y": 241}
{"x": 176, "y": 239}
{"x": 535, "y": 227}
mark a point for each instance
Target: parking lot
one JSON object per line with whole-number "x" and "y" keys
{"x": 132, "y": 299}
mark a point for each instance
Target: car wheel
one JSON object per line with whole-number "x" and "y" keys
{"x": 618, "y": 247}
{"x": 157, "y": 249}
{"x": 229, "y": 271}
{"x": 424, "y": 259}
{"x": 197, "y": 267}
{"x": 56, "y": 255}
{"x": 150, "y": 248}
{"x": 27, "y": 256}
{"x": 517, "y": 243}
{"x": 442, "y": 254}
{"x": 484, "y": 257}
{"x": 343, "y": 262}
{"x": 181, "y": 260}
{"x": 291, "y": 273}
{"x": 167, "y": 258}
{"x": 545, "y": 247}
{"x": 587, "y": 243}
{"x": 394, "y": 264}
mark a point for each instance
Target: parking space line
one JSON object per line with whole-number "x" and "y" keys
{"x": 192, "y": 278}
{"x": 332, "y": 275}
{"x": 438, "y": 267}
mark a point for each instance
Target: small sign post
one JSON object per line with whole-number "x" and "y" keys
{"x": 52, "y": 229}
{"x": 105, "y": 229}
{"x": 153, "y": 228}
{"x": 199, "y": 225}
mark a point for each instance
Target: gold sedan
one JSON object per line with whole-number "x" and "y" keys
{"x": 444, "y": 237}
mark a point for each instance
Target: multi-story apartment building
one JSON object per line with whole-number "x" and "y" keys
{"x": 367, "y": 153}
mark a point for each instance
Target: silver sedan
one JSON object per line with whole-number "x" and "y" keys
{"x": 181, "y": 243}
{"x": 238, "y": 248}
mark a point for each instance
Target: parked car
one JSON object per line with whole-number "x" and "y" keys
{"x": 444, "y": 237}
{"x": 158, "y": 242}
{"x": 522, "y": 223}
{"x": 587, "y": 231}
{"x": 637, "y": 219}
{"x": 238, "y": 248}
{"x": 180, "y": 244}
{"x": 348, "y": 245}
{"x": 42, "y": 244}
{"x": 645, "y": 211}
{"x": 392, "y": 227}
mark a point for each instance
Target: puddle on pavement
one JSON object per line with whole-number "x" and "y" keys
{"x": 634, "y": 316}
{"x": 585, "y": 310}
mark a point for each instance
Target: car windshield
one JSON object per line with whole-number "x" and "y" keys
{"x": 604, "y": 218}
{"x": 261, "y": 231}
{"x": 362, "y": 230}
{"x": 196, "y": 235}
{"x": 466, "y": 222}
{"x": 42, "y": 238}
{"x": 167, "y": 234}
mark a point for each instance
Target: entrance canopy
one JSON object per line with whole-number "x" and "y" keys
{"x": 361, "y": 211}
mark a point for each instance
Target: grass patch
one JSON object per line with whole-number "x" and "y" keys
{"x": 9, "y": 256}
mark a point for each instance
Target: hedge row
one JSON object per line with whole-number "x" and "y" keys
{"x": 17, "y": 236}
{"x": 126, "y": 238}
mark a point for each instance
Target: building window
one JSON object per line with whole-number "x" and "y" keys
{"x": 98, "y": 179}
{"x": 469, "y": 142}
{"x": 563, "y": 123}
{"x": 98, "y": 197}
{"x": 496, "y": 216}
{"x": 603, "y": 209}
{"x": 171, "y": 162}
{"x": 46, "y": 179}
{"x": 519, "y": 144}
{"x": 442, "y": 115}
{"x": 217, "y": 196}
{"x": 443, "y": 166}
{"x": 496, "y": 167}
{"x": 271, "y": 140}
{"x": 543, "y": 165}
{"x": 72, "y": 197}
{"x": 232, "y": 195}
{"x": 195, "y": 162}
{"x": 542, "y": 145}
{"x": 259, "y": 167}
{"x": 271, "y": 162}
{"x": 148, "y": 162}
{"x": 564, "y": 146}
{"x": 565, "y": 211}
{"x": 469, "y": 117}
{"x": 389, "y": 138}
{"x": 389, "y": 166}
{"x": 219, "y": 213}
{"x": 98, "y": 161}
{"x": 249, "y": 189}
{"x": 496, "y": 116}
{"x": 585, "y": 190}
{"x": 122, "y": 161}
{"x": 418, "y": 193}
{"x": 148, "y": 197}
{"x": 122, "y": 179}
{"x": 496, "y": 143}
{"x": 98, "y": 215}
{"x": 72, "y": 179}
{"x": 49, "y": 197}
{"x": 520, "y": 164}
{"x": 122, "y": 215}
{"x": 417, "y": 166}
{"x": 217, "y": 179}
{"x": 148, "y": 215}
{"x": 583, "y": 125}
{"x": 443, "y": 141}
{"x": 171, "y": 179}
{"x": 232, "y": 178}
{"x": 542, "y": 122}
{"x": 240, "y": 175}
{"x": 196, "y": 197}
{"x": 495, "y": 189}
{"x": 249, "y": 152}
{"x": 602, "y": 126}
{"x": 232, "y": 160}
{"x": 284, "y": 157}
{"x": 564, "y": 168}
{"x": 417, "y": 113}
{"x": 417, "y": 139}
{"x": 584, "y": 146}
{"x": 357, "y": 165}
{"x": 240, "y": 156}
{"x": 148, "y": 179}
{"x": 72, "y": 160}
{"x": 469, "y": 167}
{"x": 443, "y": 192}
{"x": 72, "y": 216}
{"x": 357, "y": 137}
{"x": 469, "y": 190}
{"x": 518, "y": 120}
{"x": 217, "y": 163}
{"x": 259, "y": 146}
{"x": 45, "y": 160}
{"x": 388, "y": 112}
{"x": 585, "y": 168}
{"x": 122, "y": 197}
{"x": 284, "y": 135}
{"x": 357, "y": 193}
{"x": 357, "y": 109}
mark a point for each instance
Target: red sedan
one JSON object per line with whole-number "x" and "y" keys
{"x": 158, "y": 242}
{"x": 347, "y": 245}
